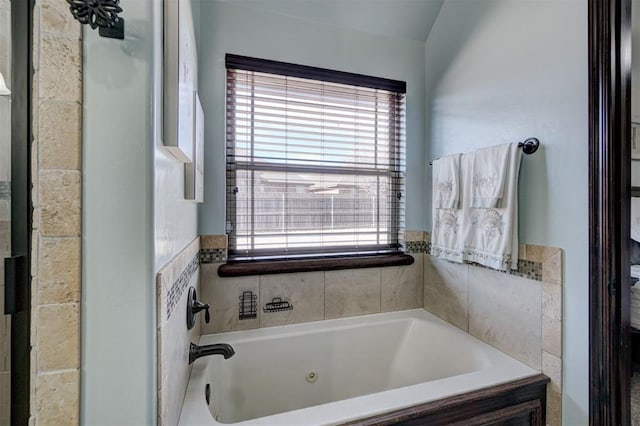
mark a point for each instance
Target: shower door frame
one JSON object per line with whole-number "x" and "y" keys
{"x": 609, "y": 211}
{"x": 19, "y": 290}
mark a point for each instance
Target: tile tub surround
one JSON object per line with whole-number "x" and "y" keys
{"x": 172, "y": 282}
{"x": 527, "y": 323}
{"x": 520, "y": 316}
{"x": 314, "y": 295}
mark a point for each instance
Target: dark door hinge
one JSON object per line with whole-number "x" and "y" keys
{"x": 16, "y": 280}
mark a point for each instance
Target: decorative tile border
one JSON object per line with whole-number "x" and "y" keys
{"x": 416, "y": 242}
{"x": 413, "y": 247}
{"x": 173, "y": 337}
{"x": 526, "y": 269}
{"x": 208, "y": 255}
{"x": 179, "y": 285}
{"x": 539, "y": 263}
{"x": 5, "y": 190}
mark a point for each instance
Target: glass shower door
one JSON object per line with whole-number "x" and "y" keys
{"x": 5, "y": 206}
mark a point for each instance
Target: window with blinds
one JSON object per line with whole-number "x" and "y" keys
{"x": 315, "y": 161}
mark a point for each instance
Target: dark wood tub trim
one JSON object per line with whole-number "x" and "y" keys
{"x": 523, "y": 397}
{"x": 238, "y": 269}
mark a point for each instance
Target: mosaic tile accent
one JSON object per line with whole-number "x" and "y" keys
{"x": 417, "y": 247}
{"x": 181, "y": 284}
{"x": 5, "y": 190}
{"x": 213, "y": 255}
{"x": 526, "y": 269}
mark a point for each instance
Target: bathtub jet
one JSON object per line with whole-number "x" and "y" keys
{"x": 223, "y": 349}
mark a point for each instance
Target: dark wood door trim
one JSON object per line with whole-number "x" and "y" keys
{"x": 21, "y": 205}
{"x": 609, "y": 215}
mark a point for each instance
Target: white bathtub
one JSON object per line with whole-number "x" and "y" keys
{"x": 363, "y": 366}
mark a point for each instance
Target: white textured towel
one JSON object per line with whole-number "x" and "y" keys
{"x": 635, "y": 298}
{"x": 446, "y": 182}
{"x": 487, "y": 236}
{"x": 492, "y": 236}
{"x": 635, "y": 306}
{"x": 635, "y": 218}
{"x": 489, "y": 168}
{"x": 447, "y": 241}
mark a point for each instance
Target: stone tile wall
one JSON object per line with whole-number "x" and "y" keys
{"x": 314, "y": 295}
{"x": 172, "y": 284}
{"x": 56, "y": 193}
{"x": 519, "y": 313}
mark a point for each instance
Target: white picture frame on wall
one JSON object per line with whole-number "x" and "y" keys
{"x": 635, "y": 141}
{"x": 180, "y": 79}
{"x": 194, "y": 171}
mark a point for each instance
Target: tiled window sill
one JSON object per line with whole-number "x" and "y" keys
{"x": 238, "y": 269}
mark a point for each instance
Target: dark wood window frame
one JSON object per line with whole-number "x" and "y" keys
{"x": 297, "y": 259}
{"x": 609, "y": 214}
{"x": 253, "y": 267}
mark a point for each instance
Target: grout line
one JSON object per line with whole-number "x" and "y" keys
{"x": 48, "y": 305}
{"x": 380, "y": 287}
{"x": 259, "y": 302}
{"x": 468, "y": 302}
{"x": 324, "y": 293}
{"x": 59, "y": 237}
{"x": 61, "y": 35}
{"x": 54, "y": 101}
{"x": 54, "y": 372}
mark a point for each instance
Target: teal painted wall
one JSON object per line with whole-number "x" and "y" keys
{"x": 135, "y": 218}
{"x": 118, "y": 327}
{"x": 502, "y": 71}
{"x": 231, "y": 28}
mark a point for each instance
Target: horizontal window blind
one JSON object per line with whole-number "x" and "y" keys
{"x": 314, "y": 168}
